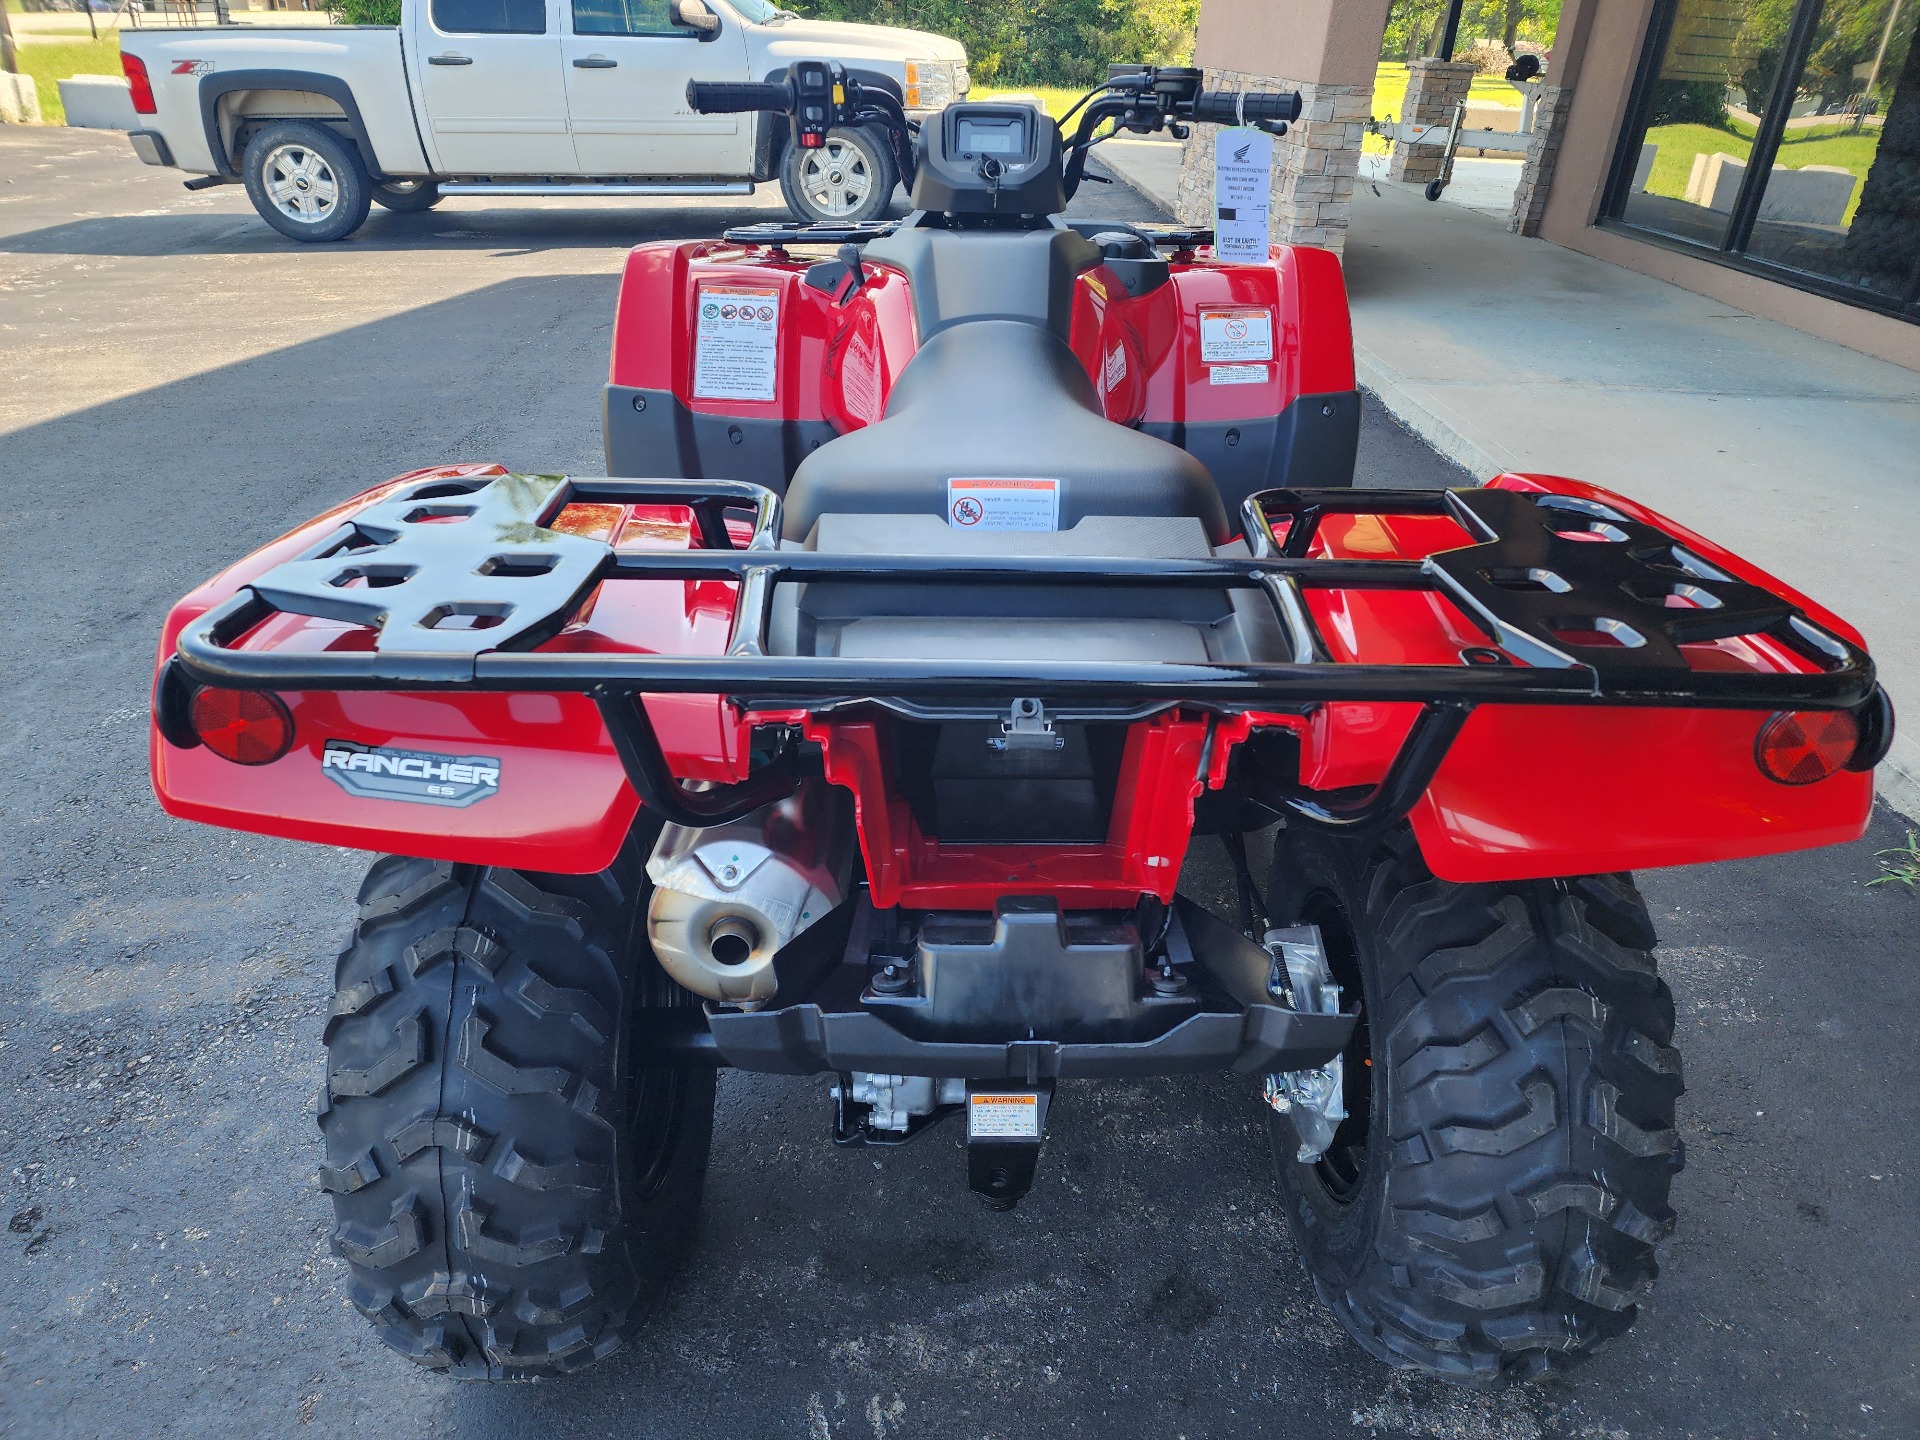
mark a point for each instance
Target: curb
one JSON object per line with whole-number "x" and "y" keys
{"x": 1429, "y": 423}
{"x": 1896, "y": 780}
{"x": 1105, "y": 158}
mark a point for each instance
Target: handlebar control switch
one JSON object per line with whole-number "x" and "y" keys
{"x": 819, "y": 91}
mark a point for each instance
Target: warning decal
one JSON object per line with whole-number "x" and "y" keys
{"x": 1237, "y": 375}
{"x": 735, "y": 349}
{"x": 1231, "y": 335}
{"x": 999, "y": 504}
{"x": 1003, "y": 1115}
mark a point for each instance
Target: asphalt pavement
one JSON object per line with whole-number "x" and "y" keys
{"x": 178, "y": 385}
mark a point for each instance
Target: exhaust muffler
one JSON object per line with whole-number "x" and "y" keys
{"x": 727, "y": 899}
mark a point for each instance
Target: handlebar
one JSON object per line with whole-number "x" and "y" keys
{"x": 1246, "y": 107}
{"x": 818, "y": 95}
{"x": 730, "y": 97}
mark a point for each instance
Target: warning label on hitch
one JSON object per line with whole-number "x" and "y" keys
{"x": 736, "y": 342}
{"x": 990, "y": 1116}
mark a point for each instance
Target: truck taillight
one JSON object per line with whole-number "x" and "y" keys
{"x": 138, "y": 85}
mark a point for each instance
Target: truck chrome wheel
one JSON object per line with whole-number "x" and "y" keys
{"x": 305, "y": 181}
{"x": 301, "y": 183}
{"x": 836, "y": 177}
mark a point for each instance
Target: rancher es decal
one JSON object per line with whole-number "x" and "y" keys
{"x": 379, "y": 772}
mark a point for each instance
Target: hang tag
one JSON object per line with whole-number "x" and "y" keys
{"x": 1242, "y": 191}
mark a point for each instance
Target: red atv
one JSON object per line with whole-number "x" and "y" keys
{"x": 987, "y": 561}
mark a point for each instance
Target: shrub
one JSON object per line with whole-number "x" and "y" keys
{"x": 1689, "y": 102}
{"x": 1488, "y": 57}
{"x": 364, "y": 12}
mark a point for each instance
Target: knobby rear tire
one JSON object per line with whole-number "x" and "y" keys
{"x": 1491, "y": 1212}
{"x": 512, "y": 1185}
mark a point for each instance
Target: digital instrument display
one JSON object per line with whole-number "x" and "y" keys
{"x": 992, "y": 135}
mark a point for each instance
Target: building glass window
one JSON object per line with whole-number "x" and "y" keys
{"x": 1783, "y": 135}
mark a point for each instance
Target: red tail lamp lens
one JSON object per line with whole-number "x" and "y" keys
{"x": 138, "y": 85}
{"x": 244, "y": 726}
{"x": 1798, "y": 747}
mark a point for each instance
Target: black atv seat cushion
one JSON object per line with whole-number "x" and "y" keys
{"x": 998, "y": 398}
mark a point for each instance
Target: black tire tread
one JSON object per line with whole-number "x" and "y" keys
{"x": 478, "y": 1119}
{"x": 343, "y": 157}
{"x": 1529, "y": 1145}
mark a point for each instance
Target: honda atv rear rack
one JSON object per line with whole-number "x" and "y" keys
{"x": 464, "y": 606}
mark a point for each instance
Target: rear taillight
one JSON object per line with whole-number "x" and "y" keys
{"x": 247, "y": 727}
{"x": 138, "y": 85}
{"x": 1798, "y": 747}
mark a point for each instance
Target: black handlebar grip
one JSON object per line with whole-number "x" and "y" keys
{"x": 1232, "y": 107}
{"x": 729, "y": 97}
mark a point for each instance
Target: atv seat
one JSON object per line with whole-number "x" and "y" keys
{"x": 999, "y": 398}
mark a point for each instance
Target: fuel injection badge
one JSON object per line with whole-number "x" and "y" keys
{"x": 378, "y": 772}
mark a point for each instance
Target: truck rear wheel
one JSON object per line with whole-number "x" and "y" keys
{"x": 847, "y": 181}
{"x": 512, "y": 1182}
{"x": 1489, "y": 1210}
{"x": 407, "y": 197}
{"x": 306, "y": 182}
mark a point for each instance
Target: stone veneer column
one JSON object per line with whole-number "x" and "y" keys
{"x": 1314, "y": 163}
{"x": 1434, "y": 88}
{"x": 1536, "y": 174}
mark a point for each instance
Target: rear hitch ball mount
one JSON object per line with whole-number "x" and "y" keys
{"x": 1005, "y": 1129}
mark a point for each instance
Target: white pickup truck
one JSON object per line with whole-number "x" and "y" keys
{"x": 515, "y": 97}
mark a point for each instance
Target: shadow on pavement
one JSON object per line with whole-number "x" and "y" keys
{"x": 450, "y": 228}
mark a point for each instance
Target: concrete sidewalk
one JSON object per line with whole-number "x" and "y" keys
{"x": 1514, "y": 354}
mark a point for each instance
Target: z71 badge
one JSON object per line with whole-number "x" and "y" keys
{"x": 376, "y": 772}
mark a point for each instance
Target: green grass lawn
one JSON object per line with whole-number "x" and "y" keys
{"x": 1816, "y": 145}
{"x": 1054, "y": 97}
{"x": 63, "y": 59}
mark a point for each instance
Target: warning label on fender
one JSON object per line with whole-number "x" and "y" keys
{"x": 1237, "y": 375}
{"x": 735, "y": 344}
{"x": 1003, "y": 1115}
{"x": 998, "y": 504}
{"x": 1234, "y": 335}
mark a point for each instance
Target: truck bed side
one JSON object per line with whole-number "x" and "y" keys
{"x": 214, "y": 87}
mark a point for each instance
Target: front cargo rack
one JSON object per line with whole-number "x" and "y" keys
{"x": 465, "y": 606}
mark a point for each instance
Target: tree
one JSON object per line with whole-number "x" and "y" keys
{"x": 1046, "y": 42}
{"x": 1883, "y": 243}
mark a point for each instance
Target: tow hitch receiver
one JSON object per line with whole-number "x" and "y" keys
{"x": 1005, "y": 1128}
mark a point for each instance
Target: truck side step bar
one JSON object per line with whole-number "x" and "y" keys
{"x": 561, "y": 187}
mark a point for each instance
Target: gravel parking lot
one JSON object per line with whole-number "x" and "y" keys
{"x": 178, "y": 385}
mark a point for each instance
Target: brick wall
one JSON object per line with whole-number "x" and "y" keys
{"x": 1536, "y": 174}
{"x": 1434, "y": 88}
